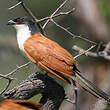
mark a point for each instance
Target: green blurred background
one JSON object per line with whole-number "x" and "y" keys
{"x": 10, "y": 55}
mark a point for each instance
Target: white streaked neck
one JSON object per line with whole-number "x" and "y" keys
{"x": 23, "y": 33}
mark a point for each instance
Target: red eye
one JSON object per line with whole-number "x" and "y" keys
{"x": 19, "y": 21}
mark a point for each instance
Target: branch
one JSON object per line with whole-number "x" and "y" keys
{"x": 15, "y": 5}
{"x": 32, "y": 15}
{"x": 9, "y": 78}
{"x": 12, "y": 72}
{"x": 4, "y": 76}
{"x": 39, "y": 83}
{"x": 73, "y": 35}
{"x": 83, "y": 52}
{"x": 43, "y": 19}
{"x": 104, "y": 54}
{"x": 8, "y": 84}
{"x": 50, "y": 18}
{"x": 21, "y": 2}
{"x": 46, "y": 18}
{"x": 55, "y": 13}
{"x": 88, "y": 53}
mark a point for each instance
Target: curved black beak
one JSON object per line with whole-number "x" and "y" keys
{"x": 11, "y": 22}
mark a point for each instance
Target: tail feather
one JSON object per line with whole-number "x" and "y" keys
{"x": 90, "y": 87}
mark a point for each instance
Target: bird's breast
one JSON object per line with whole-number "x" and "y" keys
{"x": 22, "y": 36}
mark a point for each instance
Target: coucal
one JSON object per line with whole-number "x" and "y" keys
{"x": 12, "y": 104}
{"x": 50, "y": 56}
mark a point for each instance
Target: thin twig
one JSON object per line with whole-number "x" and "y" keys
{"x": 83, "y": 38}
{"x": 18, "y": 67}
{"x": 78, "y": 49}
{"x": 28, "y": 10}
{"x": 73, "y": 35}
{"x": 32, "y": 15}
{"x": 9, "y": 78}
{"x": 5, "y": 76}
{"x": 55, "y": 13}
{"x": 15, "y": 5}
{"x": 4, "y": 90}
{"x": 83, "y": 52}
{"x": 8, "y": 84}
{"x": 21, "y": 2}
{"x": 12, "y": 72}
{"x": 92, "y": 54}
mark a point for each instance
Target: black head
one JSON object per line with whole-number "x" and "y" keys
{"x": 21, "y": 20}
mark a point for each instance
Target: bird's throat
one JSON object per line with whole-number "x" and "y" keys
{"x": 23, "y": 33}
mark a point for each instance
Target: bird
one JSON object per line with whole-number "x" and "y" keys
{"x": 50, "y": 56}
{"x": 15, "y": 104}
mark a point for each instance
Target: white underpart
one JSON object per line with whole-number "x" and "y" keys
{"x": 23, "y": 33}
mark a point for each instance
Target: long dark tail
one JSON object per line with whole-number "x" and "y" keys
{"x": 90, "y": 87}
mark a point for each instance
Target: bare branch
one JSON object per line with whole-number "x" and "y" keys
{"x": 9, "y": 78}
{"x": 88, "y": 53}
{"x": 50, "y": 19}
{"x": 80, "y": 37}
{"x": 55, "y": 13}
{"x": 8, "y": 84}
{"x": 4, "y": 90}
{"x": 32, "y": 15}
{"x": 15, "y": 5}
{"x": 4, "y": 76}
{"x": 104, "y": 54}
{"x": 29, "y": 12}
{"x": 18, "y": 67}
{"x": 73, "y": 35}
{"x": 12, "y": 72}
{"x": 83, "y": 52}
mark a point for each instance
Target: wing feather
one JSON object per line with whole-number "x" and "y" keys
{"x": 49, "y": 53}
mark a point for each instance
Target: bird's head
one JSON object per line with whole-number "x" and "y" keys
{"x": 21, "y": 23}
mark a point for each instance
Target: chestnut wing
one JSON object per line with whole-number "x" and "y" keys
{"x": 50, "y": 54}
